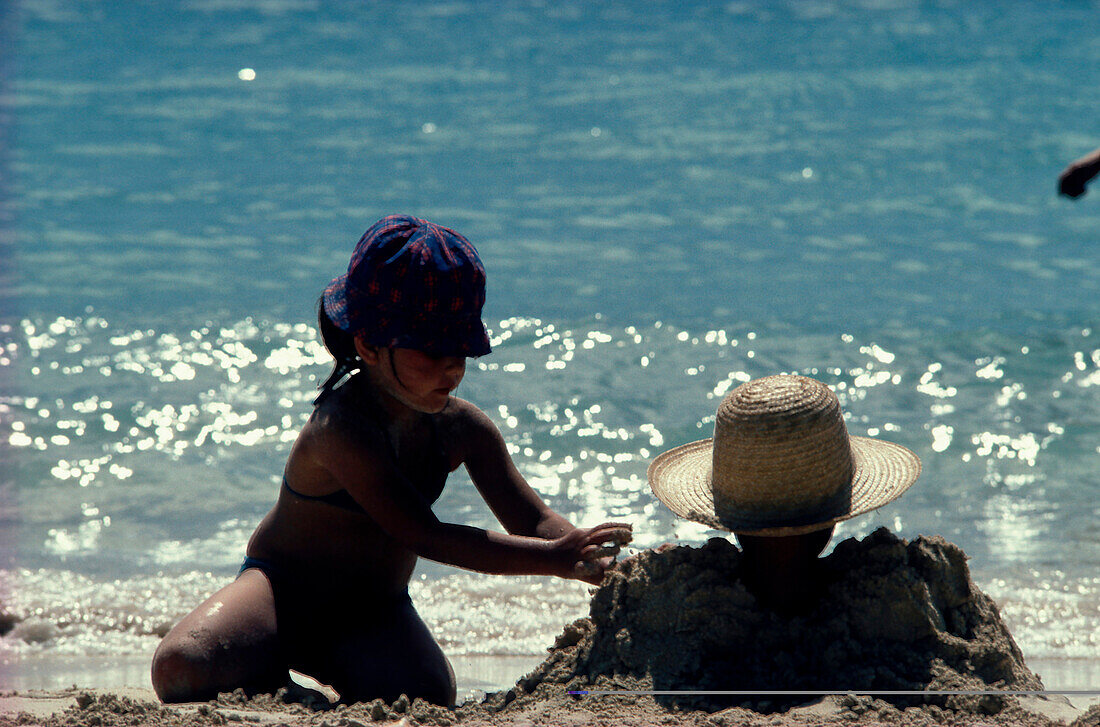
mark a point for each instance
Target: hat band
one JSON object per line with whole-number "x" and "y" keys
{"x": 452, "y": 335}
{"x": 736, "y": 517}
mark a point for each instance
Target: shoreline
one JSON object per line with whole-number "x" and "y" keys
{"x": 476, "y": 674}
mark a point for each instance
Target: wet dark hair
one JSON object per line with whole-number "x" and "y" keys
{"x": 340, "y": 345}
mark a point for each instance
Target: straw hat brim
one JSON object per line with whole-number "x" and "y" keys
{"x": 680, "y": 478}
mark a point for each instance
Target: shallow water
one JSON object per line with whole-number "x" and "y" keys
{"x": 668, "y": 202}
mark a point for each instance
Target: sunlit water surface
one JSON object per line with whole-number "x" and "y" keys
{"x": 669, "y": 201}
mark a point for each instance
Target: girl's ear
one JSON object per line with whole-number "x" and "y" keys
{"x": 369, "y": 353}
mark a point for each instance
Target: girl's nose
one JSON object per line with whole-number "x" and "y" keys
{"x": 455, "y": 368}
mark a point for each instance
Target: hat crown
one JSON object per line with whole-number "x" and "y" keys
{"x": 404, "y": 263}
{"x": 412, "y": 284}
{"x": 781, "y": 452}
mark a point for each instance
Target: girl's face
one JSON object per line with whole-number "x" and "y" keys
{"x": 421, "y": 381}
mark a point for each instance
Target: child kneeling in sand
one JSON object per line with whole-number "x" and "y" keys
{"x": 780, "y": 472}
{"x": 324, "y": 587}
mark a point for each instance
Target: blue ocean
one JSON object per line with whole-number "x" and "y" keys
{"x": 670, "y": 198}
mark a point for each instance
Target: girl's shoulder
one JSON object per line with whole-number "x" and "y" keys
{"x": 338, "y": 423}
{"x": 461, "y": 416}
{"x": 466, "y": 426}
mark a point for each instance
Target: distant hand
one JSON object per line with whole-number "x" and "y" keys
{"x": 589, "y": 552}
{"x": 1073, "y": 179}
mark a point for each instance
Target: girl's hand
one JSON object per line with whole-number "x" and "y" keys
{"x": 588, "y": 552}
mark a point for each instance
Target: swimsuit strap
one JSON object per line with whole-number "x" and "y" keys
{"x": 343, "y": 499}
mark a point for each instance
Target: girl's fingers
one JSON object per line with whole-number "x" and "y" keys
{"x": 605, "y": 540}
{"x": 595, "y": 552}
{"x": 592, "y": 571}
{"x": 618, "y": 533}
{"x": 584, "y": 569}
{"x": 599, "y": 548}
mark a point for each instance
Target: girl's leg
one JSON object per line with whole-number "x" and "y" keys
{"x": 229, "y": 641}
{"x": 395, "y": 655}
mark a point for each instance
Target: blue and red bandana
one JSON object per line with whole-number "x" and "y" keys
{"x": 412, "y": 284}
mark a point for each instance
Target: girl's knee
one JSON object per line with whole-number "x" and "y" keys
{"x": 229, "y": 641}
{"x": 188, "y": 672}
{"x": 190, "y": 669}
{"x": 178, "y": 672}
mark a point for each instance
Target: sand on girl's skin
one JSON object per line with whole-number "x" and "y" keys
{"x": 893, "y": 616}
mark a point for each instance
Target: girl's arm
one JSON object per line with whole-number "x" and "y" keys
{"x": 514, "y": 503}
{"x": 581, "y": 553}
{"x": 364, "y": 466}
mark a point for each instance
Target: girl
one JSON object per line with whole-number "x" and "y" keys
{"x": 324, "y": 587}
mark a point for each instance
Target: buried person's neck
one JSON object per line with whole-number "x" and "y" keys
{"x": 784, "y": 572}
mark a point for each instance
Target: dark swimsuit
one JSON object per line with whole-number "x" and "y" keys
{"x": 341, "y": 498}
{"x": 431, "y": 489}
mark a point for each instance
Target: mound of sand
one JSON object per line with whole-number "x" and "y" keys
{"x": 893, "y": 616}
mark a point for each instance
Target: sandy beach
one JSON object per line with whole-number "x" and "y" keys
{"x": 674, "y": 626}
{"x": 139, "y": 707}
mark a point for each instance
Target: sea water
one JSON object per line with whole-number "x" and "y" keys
{"x": 670, "y": 198}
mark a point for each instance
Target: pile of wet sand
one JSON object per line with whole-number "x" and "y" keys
{"x": 893, "y": 616}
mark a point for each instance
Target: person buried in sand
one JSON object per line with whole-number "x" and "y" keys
{"x": 324, "y": 587}
{"x": 780, "y": 472}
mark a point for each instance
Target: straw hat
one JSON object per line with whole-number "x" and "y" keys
{"x": 781, "y": 462}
